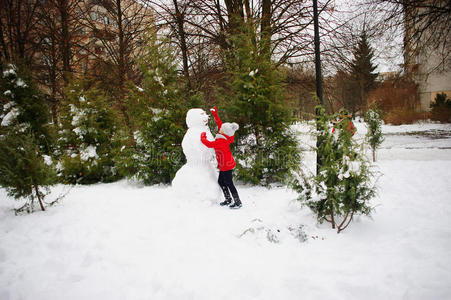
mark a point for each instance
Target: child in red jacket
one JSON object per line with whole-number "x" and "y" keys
{"x": 224, "y": 156}
{"x": 344, "y": 122}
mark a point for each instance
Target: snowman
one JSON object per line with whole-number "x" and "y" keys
{"x": 197, "y": 179}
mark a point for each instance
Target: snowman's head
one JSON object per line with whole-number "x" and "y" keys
{"x": 196, "y": 117}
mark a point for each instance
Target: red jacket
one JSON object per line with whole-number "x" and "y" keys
{"x": 222, "y": 147}
{"x": 350, "y": 127}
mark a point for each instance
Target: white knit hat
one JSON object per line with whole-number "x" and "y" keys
{"x": 229, "y": 128}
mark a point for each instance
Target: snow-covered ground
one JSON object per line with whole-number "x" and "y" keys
{"x": 125, "y": 241}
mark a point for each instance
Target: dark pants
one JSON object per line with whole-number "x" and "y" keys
{"x": 225, "y": 181}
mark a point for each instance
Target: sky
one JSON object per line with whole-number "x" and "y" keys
{"x": 387, "y": 46}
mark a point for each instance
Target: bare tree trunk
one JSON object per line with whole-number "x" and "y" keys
{"x": 120, "y": 35}
{"x": 65, "y": 38}
{"x": 36, "y": 189}
{"x": 119, "y": 28}
{"x": 122, "y": 68}
{"x": 340, "y": 229}
{"x": 341, "y": 224}
{"x": 20, "y": 41}
{"x": 19, "y": 35}
{"x": 57, "y": 30}
{"x": 54, "y": 85}
{"x": 4, "y": 51}
{"x": 332, "y": 219}
{"x": 266, "y": 29}
{"x": 180, "y": 17}
{"x": 362, "y": 95}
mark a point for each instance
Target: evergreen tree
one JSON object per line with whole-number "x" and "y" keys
{"x": 25, "y": 139}
{"x": 373, "y": 119}
{"x": 23, "y": 101}
{"x": 90, "y": 136}
{"x": 362, "y": 75}
{"x": 266, "y": 149}
{"x": 160, "y": 106}
{"x": 343, "y": 185}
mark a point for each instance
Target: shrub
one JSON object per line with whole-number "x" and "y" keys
{"x": 398, "y": 101}
{"x": 401, "y": 116}
{"x": 373, "y": 119}
{"x": 441, "y": 108}
{"x": 343, "y": 185}
{"x": 90, "y": 137}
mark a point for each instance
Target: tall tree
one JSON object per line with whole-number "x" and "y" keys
{"x": 281, "y": 24}
{"x": 362, "y": 72}
{"x": 266, "y": 28}
{"x": 180, "y": 20}
{"x": 159, "y": 110}
{"x": 267, "y": 151}
{"x": 116, "y": 28}
{"x": 19, "y": 37}
{"x": 60, "y": 34}
{"x": 172, "y": 15}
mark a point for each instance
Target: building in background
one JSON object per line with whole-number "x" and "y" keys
{"x": 58, "y": 40}
{"x": 427, "y": 53}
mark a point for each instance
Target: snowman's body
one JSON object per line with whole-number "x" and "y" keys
{"x": 197, "y": 179}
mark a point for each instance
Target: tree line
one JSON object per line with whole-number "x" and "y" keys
{"x": 95, "y": 91}
{"x": 102, "y": 40}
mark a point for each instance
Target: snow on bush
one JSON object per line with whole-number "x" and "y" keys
{"x": 89, "y": 137}
{"x": 344, "y": 183}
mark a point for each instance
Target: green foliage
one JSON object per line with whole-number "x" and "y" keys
{"x": 266, "y": 149}
{"x": 24, "y": 172}
{"x": 24, "y": 139}
{"x": 441, "y": 108}
{"x": 156, "y": 156}
{"x": 373, "y": 119}
{"x": 22, "y": 100}
{"x": 362, "y": 67}
{"x": 90, "y": 136}
{"x": 159, "y": 113}
{"x": 343, "y": 185}
{"x": 361, "y": 78}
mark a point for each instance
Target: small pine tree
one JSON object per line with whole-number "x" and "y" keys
{"x": 373, "y": 118}
{"x": 24, "y": 171}
{"x": 362, "y": 74}
{"x": 159, "y": 112}
{"x": 266, "y": 149}
{"x": 343, "y": 185}
{"x": 89, "y": 136}
{"x": 25, "y": 139}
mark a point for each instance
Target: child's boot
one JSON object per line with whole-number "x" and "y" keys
{"x": 226, "y": 202}
{"x": 237, "y": 203}
{"x": 227, "y": 197}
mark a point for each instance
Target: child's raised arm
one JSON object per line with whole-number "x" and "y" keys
{"x": 214, "y": 112}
